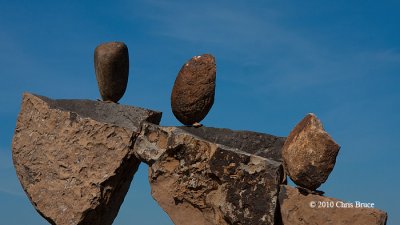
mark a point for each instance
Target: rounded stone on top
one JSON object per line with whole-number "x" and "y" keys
{"x": 309, "y": 153}
{"x": 111, "y": 64}
{"x": 194, "y": 90}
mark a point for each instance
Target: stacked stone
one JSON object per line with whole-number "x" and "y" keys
{"x": 194, "y": 89}
{"x": 111, "y": 64}
{"x": 309, "y": 153}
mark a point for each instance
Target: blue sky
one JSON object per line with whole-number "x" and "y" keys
{"x": 276, "y": 61}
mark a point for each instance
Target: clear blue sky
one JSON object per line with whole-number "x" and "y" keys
{"x": 276, "y": 61}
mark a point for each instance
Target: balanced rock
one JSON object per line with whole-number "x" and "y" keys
{"x": 111, "y": 64}
{"x": 299, "y": 209}
{"x": 202, "y": 182}
{"x": 194, "y": 89}
{"x": 75, "y": 158}
{"x": 309, "y": 153}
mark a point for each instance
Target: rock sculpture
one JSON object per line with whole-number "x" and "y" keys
{"x": 194, "y": 89}
{"x": 111, "y": 63}
{"x": 76, "y": 159}
{"x": 309, "y": 153}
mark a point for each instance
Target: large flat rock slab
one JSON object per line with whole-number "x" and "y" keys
{"x": 75, "y": 158}
{"x": 201, "y": 182}
{"x": 264, "y": 145}
{"x": 302, "y": 209}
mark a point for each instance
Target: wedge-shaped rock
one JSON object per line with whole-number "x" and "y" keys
{"x": 300, "y": 209}
{"x": 309, "y": 153}
{"x": 75, "y": 159}
{"x": 200, "y": 182}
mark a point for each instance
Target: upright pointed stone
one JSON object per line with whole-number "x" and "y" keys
{"x": 111, "y": 64}
{"x": 75, "y": 158}
{"x": 309, "y": 153}
{"x": 194, "y": 89}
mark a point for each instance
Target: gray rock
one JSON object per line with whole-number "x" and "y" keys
{"x": 197, "y": 181}
{"x": 309, "y": 153}
{"x": 265, "y": 145}
{"x": 194, "y": 90}
{"x": 111, "y": 64}
{"x": 75, "y": 158}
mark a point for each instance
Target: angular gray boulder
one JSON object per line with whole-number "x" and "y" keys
{"x": 264, "y": 145}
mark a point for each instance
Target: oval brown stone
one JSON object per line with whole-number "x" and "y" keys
{"x": 111, "y": 64}
{"x": 309, "y": 153}
{"x": 194, "y": 89}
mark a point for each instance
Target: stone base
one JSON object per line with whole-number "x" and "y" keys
{"x": 75, "y": 158}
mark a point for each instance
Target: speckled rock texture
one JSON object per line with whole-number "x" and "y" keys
{"x": 111, "y": 64}
{"x": 200, "y": 182}
{"x": 309, "y": 153}
{"x": 194, "y": 89}
{"x": 300, "y": 209}
{"x": 75, "y": 158}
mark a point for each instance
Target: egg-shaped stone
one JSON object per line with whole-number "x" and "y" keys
{"x": 194, "y": 89}
{"x": 111, "y": 64}
{"x": 309, "y": 153}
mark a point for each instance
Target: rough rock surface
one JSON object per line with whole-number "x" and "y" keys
{"x": 299, "y": 209}
{"x": 309, "y": 153}
{"x": 199, "y": 182}
{"x": 75, "y": 159}
{"x": 111, "y": 64}
{"x": 194, "y": 89}
{"x": 265, "y": 145}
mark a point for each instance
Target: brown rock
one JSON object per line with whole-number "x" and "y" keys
{"x": 75, "y": 159}
{"x": 200, "y": 182}
{"x": 111, "y": 64}
{"x": 309, "y": 153}
{"x": 299, "y": 209}
{"x": 194, "y": 89}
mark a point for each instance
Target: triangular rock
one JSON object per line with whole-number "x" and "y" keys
{"x": 74, "y": 158}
